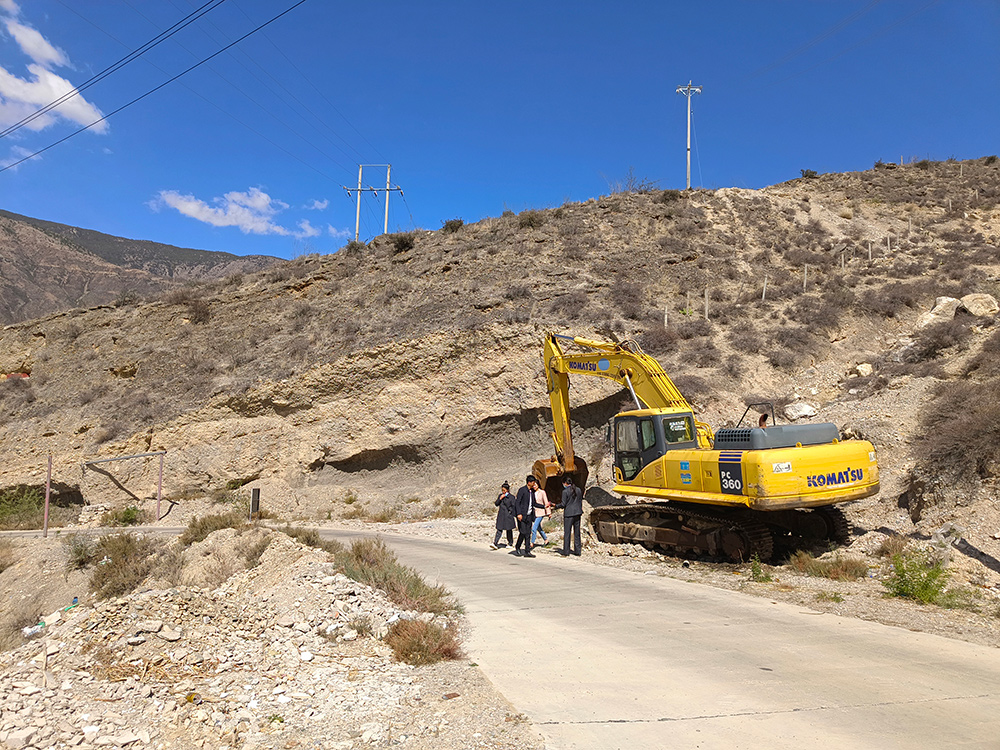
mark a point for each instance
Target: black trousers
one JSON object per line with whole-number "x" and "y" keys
{"x": 510, "y": 536}
{"x": 571, "y": 523}
{"x": 524, "y": 534}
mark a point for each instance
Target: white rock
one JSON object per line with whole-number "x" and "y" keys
{"x": 977, "y": 304}
{"x": 800, "y": 410}
{"x": 943, "y": 310}
{"x": 864, "y": 369}
{"x": 305, "y": 655}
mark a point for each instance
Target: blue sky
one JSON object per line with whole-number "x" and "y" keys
{"x": 478, "y": 107}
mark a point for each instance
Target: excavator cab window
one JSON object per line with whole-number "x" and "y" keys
{"x": 627, "y": 453}
{"x": 678, "y": 428}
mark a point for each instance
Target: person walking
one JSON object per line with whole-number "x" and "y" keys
{"x": 572, "y": 504}
{"x": 524, "y": 511}
{"x": 505, "y": 517}
{"x": 543, "y": 509}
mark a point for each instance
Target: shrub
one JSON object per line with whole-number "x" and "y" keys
{"x": 959, "y": 435}
{"x": 935, "y": 338}
{"x": 311, "y": 538}
{"x": 13, "y": 618}
{"x": 199, "y": 528}
{"x": 199, "y": 311}
{"x": 838, "y": 569}
{"x": 447, "y": 508}
{"x": 417, "y": 642}
{"x": 914, "y": 576}
{"x": 452, "y": 225}
{"x": 371, "y": 562}
{"x": 659, "y": 338}
{"x": 808, "y": 174}
{"x": 7, "y": 557}
{"x": 520, "y": 291}
{"x": 130, "y": 516}
{"x": 354, "y": 247}
{"x": 252, "y": 554}
{"x": 79, "y": 551}
{"x": 757, "y": 571}
{"x": 570, "y": 305}
{"x": 402, "y": 242}
{"x": 892, "y": 545}
{"x": 121, "y": 563}
{"x": 530, "y": 219}
{"x": 816, "y": 312}
{"x": 21, "y": 507}
{"x": 669, "y": 196}
{"x": 991, "y": 159}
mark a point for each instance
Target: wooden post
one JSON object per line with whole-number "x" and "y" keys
{"x": 805, "y": 276}
{"x": 949, "y": 205}
{"x": 666, "y": 315}
{"x": 869, "y": 251}
{"x": 159, "y": 486}
{"x": 763, "y": 295}
{"x": 842, "y": 261}
{"x": 48, "y": 492}
{"x": 688, "y": 306}
{"x": 888, "y": 247}
{"x": 706, "y": 303}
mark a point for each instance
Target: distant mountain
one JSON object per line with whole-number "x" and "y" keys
{"x": 46, "y": 267}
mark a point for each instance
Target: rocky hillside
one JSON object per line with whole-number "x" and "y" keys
{"x": 46, "y": 267}
{"x": 403, "y": 379}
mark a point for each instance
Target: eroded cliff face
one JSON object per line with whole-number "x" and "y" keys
{"x": 407, "y": 374}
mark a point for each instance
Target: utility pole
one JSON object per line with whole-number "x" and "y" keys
{"x": 359, "y": 189}
{"x": 687, "y": 91}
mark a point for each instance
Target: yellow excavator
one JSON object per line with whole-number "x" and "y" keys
{"x": 732, "y": 494}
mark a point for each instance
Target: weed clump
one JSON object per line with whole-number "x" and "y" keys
{"x": 837, "y": 569}
{"x": 311, "y": 538}
{"x": 121, "y": 563}
{"x": 130, "y": 516}
{"x": 371, "y": 562}
{"x": 21, "y": 508}
{"x": 199, "y": 528}
{"x": 452, "y": 225}
{"x": 7, "y": 558}
{"x": 915, "y": 576}
{"x": 758, "y": 573}
{"x": 416, "y": 642}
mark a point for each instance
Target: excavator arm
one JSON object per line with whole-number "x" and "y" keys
{"x": 624, "y": 363}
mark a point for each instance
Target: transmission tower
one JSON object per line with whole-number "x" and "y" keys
{"x": 359, "y": 189}
{"x": 687, "y": 91}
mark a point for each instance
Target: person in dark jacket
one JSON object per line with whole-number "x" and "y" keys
{"x": 572, "y": 504}
{"x": 505, "y": 517}
{"x": 524, "y": 510}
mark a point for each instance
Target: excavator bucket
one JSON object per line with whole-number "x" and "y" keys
{"x": 549, "y": 473}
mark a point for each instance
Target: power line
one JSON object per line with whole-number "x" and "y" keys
{"x": 153, "y": 90}
{"x": 116, "y": 66}
{"x": 205, "y": 99}
{"x": 812, "y": 42}
{"x": 859, "y": 43}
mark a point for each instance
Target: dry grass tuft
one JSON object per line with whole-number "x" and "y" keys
{"x": 7, "y": 556}
{"x": 199, "y": 528}
{"x": 417, "y": 643}
{"x": 371, "y": 562}
{"x": 15, "y": 617}
{"x": 838, "y": 569}
{"x": 121, "y": 563}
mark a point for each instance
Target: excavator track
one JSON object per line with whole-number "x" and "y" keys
{"x": 839, "y": 528}
{"x": 682, "y": 529}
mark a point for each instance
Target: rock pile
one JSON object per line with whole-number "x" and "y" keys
{"x": 285, "y": 654}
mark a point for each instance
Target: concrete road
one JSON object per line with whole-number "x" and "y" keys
{"x": 598, "y": 657}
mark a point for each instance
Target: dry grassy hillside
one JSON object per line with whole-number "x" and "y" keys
{"x": 403, "y": 378}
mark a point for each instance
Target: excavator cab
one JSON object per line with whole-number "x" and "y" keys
{"x": 642, "y": 437}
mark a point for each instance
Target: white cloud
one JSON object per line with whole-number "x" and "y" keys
{"x": 21, "y": 97}
{"x": 252, "y": 212}
{"x": 338, "y": 234}
{"x": 307, "y": 230}
{"x": 35, "y": 45}
{"x": 317, "y": 205}
{"x": 17, "y": 153}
